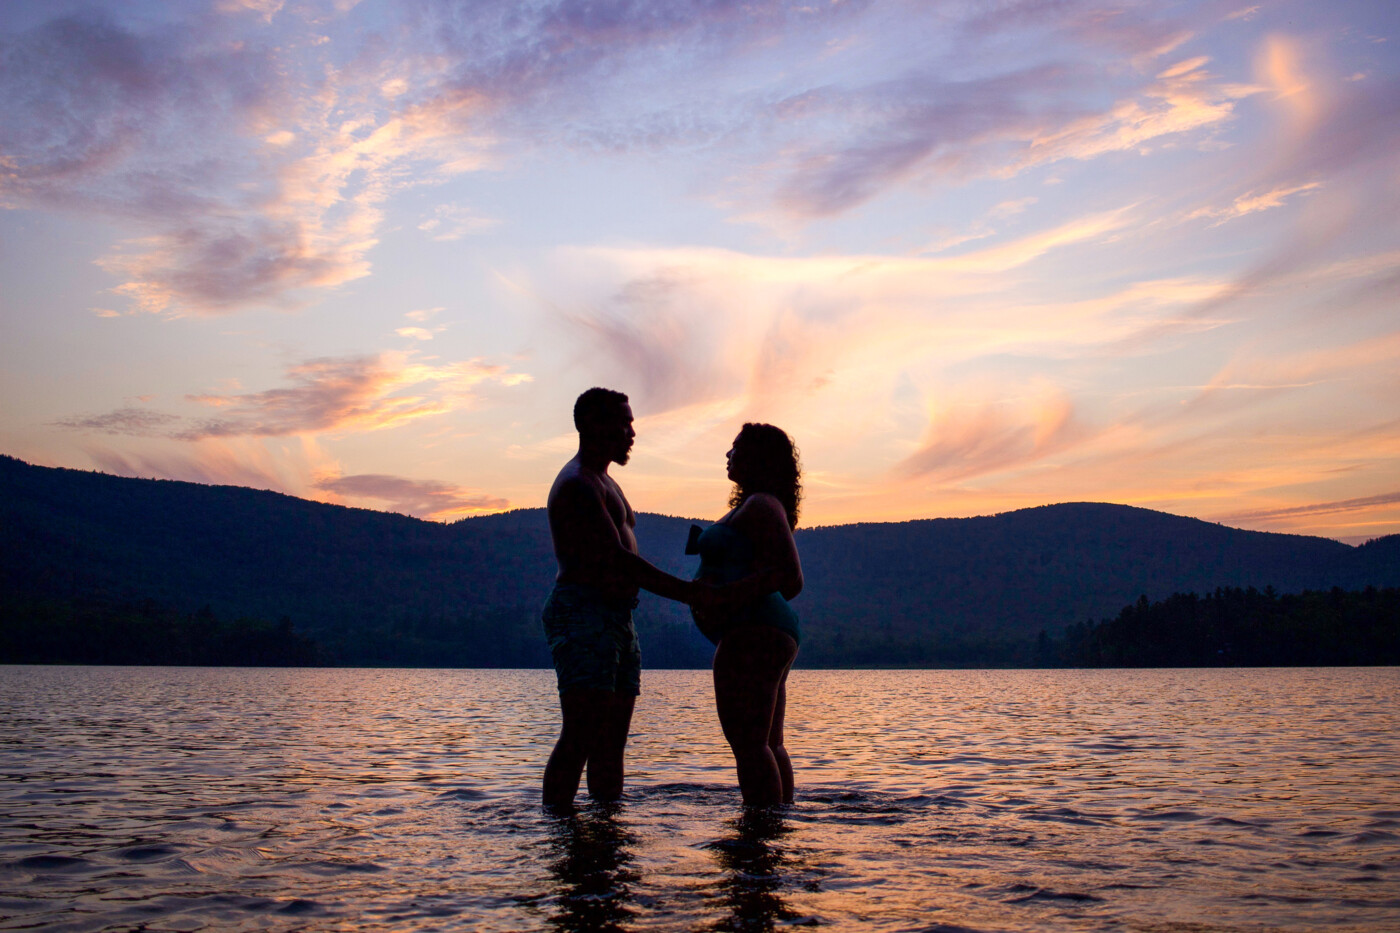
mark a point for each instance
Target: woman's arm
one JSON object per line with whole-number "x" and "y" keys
{"x": 776, "y": 566}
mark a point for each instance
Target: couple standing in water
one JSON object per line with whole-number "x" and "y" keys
{"x": 749, "y": 569}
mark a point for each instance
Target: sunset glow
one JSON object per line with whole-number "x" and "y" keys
{"x": 973, "y": 257}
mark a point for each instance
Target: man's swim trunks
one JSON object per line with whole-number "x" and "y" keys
{"x": 592, "y": 640}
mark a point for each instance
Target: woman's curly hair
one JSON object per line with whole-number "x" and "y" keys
{"x": 772, "y": 467}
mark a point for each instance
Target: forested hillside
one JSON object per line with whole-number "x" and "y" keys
{"x": 376, "y": 588}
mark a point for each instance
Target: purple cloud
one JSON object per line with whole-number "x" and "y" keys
{"x": 922, "y": 122}
{"x": 82, "y": 97}
{"x": 137, "y": 422}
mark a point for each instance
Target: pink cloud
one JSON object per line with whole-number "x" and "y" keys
{"x": 419, "y": 498}
{"x": 962, "y": 444}
{"x": 328, "y": 394}
{"x": 217, "y": 467}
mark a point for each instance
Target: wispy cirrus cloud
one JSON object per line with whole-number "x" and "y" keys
{"x": 698, "y": 326}
{"x": 420, "y": 498}
{"x": 966, "y": 442}
{"x": 1312, "y": 509}
{"x": 212, "y": 463}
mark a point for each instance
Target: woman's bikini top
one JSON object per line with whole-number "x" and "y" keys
{"x": 726, "y": 555}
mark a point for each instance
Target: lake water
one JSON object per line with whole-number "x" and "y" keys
{"x": 228, "y": 799}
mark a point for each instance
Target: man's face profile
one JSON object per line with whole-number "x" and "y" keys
{"x": 612, "y": 429}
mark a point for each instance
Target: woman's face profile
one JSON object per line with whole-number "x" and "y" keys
{"x": 734, "y": 459}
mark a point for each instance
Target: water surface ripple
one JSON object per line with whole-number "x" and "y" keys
{"x": 229, "y": 799}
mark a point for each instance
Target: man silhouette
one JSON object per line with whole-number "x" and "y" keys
{"x": 588, "y": 616}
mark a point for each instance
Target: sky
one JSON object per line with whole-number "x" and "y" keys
{"x": 972, "y": 256}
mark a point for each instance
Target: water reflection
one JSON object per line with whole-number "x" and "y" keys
{"x": 591, "y": 862}
{"x": 756, "y": 867}
{"x": 1018, "y": 801}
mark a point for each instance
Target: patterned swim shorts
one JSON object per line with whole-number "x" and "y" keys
{"x": 592, "y": 640}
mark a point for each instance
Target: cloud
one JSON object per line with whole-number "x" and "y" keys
{"x": 85, "y": 95}
{"x": 1261, "y": 373}
{"x": 967, "y": 442}
{"x": 419, "y": 498}
{"x": 256, "y": 160}
{"x": 325, "y": 395}
{"x": 209, "y": 463}
{"x": 343, "y": 394}
{"x": 1316, "y": 508}
{"x": 329, "y": 394}
{"x": 208, "y": 269}
{"x": 695, "y": 327}
{"x": 254, "y": 167}
{"x": 420, "y": 330}
{"x": 653, "y": 329}
{"x": 452, "y": 222}
{"x": 998, "y": 125}
{"x": 1012, "y": 208}
{"x": 1334, "y": 140}
{"x": 137, "y": 422}
{"x": 1255, "y": 201}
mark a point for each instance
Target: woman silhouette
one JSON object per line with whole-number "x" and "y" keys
{"x": 756, "y": 632}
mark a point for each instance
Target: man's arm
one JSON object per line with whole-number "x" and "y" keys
{"x": 595, "y": 543}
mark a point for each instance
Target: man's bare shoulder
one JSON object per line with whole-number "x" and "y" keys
{"x": 572, "y": 478}
{"x": 578, "y": 487}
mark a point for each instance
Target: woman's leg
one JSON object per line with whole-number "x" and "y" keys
{"x": 749, "y": 666}
{"x": 775, "y": 739}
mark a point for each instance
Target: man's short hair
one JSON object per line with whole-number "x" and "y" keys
{"x": 596, "y": 403}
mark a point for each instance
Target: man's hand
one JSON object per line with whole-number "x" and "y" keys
{"x": 706, "y": 597}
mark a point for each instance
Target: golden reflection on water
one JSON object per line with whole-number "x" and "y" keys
{"x": 591, "y": 863}
{"x": 754, "y": 868}
{"x": 927, "y": 800}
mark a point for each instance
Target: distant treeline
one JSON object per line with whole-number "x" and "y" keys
{"x": 1235, "y": 627}
{"x": 87, "y": 631}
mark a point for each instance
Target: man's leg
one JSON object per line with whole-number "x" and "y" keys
{"x": 581, "y": 712}
{"x": 605, "y": 769}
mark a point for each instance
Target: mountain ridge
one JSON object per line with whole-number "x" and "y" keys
{"x": 382, "y": 586}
